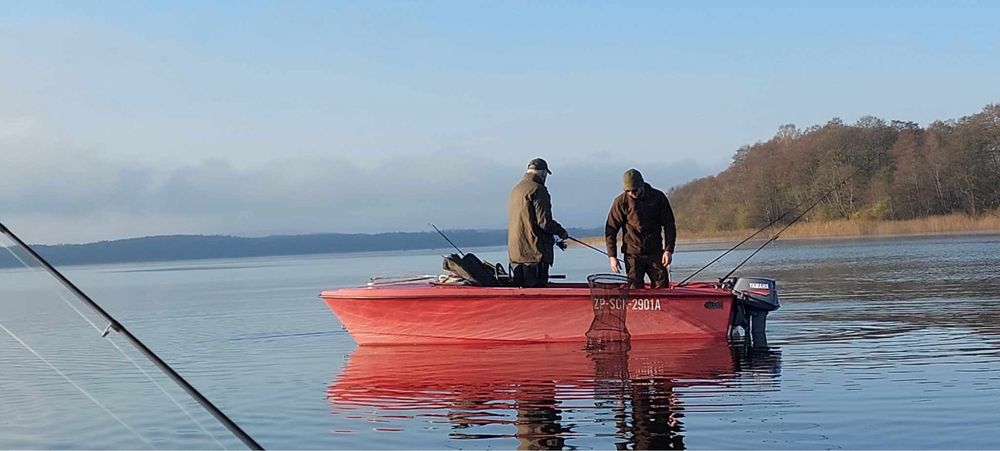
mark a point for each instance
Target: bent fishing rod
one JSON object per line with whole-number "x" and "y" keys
{"x": 116, "y": 326}
{"x": 592, "y": 247}
{"x": 568, "y": 238}
{"x": 779, "y": 218}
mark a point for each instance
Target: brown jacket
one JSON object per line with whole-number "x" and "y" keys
{"x": 648, "y": 223}
{"x": 530, "y": 227}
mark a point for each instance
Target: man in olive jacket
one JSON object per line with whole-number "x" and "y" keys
{"x": 531, "y": 229}
{"x": 649, "y": 232}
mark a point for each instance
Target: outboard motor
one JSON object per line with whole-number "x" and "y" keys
{"x": 755, "y": 298}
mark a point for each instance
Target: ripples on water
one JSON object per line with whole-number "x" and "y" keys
{"x": 549, "y": 396}
{"x": 879, "y": 344}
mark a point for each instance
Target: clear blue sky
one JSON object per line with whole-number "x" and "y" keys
{"x": 254, "y": 118}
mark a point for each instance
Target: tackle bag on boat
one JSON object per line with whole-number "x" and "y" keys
{"x": 471, "y": 268}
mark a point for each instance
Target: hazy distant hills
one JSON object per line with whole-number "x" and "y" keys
{"x": 193, "y": 247}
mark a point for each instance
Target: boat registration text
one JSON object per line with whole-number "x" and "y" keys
{"x": 630, "y": 304}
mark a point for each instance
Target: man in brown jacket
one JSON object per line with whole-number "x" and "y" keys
{"x": 649, "y": 232}
{"x": 531, "y": 229}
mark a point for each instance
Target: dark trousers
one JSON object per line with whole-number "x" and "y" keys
{"x": 531, "y": 275}
{"x": 639, "y": 266}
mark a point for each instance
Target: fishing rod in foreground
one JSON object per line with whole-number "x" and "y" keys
{"x": 779, "y": 218}
{"x": 114, "y": 325}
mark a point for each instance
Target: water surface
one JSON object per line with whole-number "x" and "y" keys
{"x": 885, "y": 343}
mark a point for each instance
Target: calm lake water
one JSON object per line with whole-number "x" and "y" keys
{"x": 888, "y": 343}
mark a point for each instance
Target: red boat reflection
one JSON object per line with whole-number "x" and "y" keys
{"x": 539, "y": 388}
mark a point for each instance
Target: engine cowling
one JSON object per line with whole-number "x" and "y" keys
{"x": 757, "y": 293}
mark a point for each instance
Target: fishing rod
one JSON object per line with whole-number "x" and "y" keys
{"x": 116, "y": 326}
{"x": 773, "y": 238}
{"x": 460, "y": 253}
{"x": 780, "y": 217}
{"x": 592, "y": 247}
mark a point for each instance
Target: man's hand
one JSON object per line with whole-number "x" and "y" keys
{"x": 614, "y": 265}
{"x": 667, "y": 258}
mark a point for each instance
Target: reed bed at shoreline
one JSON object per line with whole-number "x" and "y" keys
{"x": 931, "y": 225}
{"x": 850, "y": 228}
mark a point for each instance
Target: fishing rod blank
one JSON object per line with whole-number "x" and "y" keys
{"x": 773, "y": 238}
{"x": 460, "y": 253}
{"x": 113, "y": 324}
{"x": 592, "y": 247}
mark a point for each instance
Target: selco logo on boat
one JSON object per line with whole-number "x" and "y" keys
{"x": 630, "y": 304}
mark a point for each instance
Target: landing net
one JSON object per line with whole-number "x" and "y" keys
{"x": 609, "y": 296}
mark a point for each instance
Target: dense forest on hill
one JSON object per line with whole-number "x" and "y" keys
{"x": 903, "y": 171}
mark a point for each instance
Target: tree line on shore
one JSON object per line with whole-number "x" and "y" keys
{"x": 872, "y": 169}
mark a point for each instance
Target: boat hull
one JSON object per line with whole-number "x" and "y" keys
{"x": 442, "y": 314}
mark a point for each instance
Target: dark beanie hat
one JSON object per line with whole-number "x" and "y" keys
{"x": 632, "y": 180}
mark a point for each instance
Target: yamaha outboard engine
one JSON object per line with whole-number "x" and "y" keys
{"x": 755, "y": 298}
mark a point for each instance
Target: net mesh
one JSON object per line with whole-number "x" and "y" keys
{"x": 609, "y": 296}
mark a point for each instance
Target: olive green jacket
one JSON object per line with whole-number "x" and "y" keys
{"x": 530, "y": 227}
{"x": 648, "y": 224}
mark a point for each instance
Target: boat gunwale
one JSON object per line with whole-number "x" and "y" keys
{"x": 441, "y": 292}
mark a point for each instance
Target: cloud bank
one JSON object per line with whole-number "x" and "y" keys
{"x": 55, "y": 192}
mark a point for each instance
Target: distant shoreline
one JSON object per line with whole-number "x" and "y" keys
{"x": 195, "y": 247}
{"x": 946, "y": 225}
{"x": 209, "y": 247}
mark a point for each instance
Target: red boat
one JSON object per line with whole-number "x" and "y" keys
{"x": 424, "y": 312}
